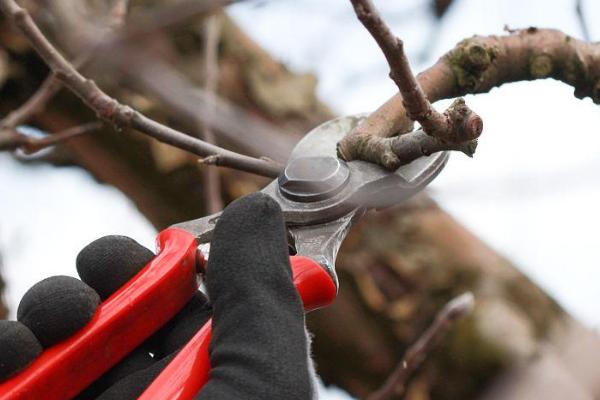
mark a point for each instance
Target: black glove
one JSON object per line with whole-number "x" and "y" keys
{"x": 259, "y": 347}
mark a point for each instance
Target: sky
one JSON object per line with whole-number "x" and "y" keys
{"x": 531, "y": 191}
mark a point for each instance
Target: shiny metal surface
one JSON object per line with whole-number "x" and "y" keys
{"x": 319, "y": 204}
{"x": 313, "y": 178}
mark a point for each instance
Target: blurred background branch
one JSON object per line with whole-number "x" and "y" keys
{"x": 585, "y": 32}
{"x": 212, "y": 33}
{"x": 454, "y": 310}
{"x": 119, "y": 115}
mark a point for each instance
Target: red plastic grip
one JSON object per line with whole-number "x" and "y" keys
{"x": 185, "y": 375}
{"x": 120, "y": 324}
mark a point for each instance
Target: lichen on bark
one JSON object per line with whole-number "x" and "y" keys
{"x": 483, "y": 62}
{"x": 469, "y": 60}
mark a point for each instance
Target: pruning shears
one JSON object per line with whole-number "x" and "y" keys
{"x": 321, "y": 197}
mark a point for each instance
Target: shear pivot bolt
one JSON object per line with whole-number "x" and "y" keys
{"x": 308, "y": 179}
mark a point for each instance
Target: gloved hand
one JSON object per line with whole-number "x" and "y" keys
{"x": 259, "y": 347}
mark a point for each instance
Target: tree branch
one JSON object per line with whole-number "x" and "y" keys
{"x": 453, "y": 311}
{"x": 119, "y": 115}
{"x": 457, "y": 124}
{"x": 400, "y": 150}
{"x": 480, "y": 63}
{"x": 13, "y": 140}
{"x": 582, "y": 22}
{"x": 212, "y": 183}
{"x": 51, "y": 85}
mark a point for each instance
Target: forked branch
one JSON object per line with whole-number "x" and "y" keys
{"x": 119, "y": 115}
{"x": 458, "y": 124}
{"x": 477, "y": 65}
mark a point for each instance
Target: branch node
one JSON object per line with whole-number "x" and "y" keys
{"x": 210, "y": 160}
{"x": 477, "y": 56}
{"x": 123, "y": 116}
{"x": 469, "y": 60}
{"x": 19, "y": 15}
{"x": 464, "y": 123}
{"x": 540, "y": 66}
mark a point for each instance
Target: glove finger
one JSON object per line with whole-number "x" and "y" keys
{"x": 134, "y": 373}
{"x": 133, "y": 385}
{"x": 135, "y": 361}
{"x": 108, "y": 263}
{"x": 57, "y": 307}
{"x": 180, "y": 329}
{"x": 18, "y": 348}
{"x": 259, "y": 344}
{"x": 248, "y": 251}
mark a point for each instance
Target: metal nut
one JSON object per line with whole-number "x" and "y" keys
{"x": 307, "y": 179}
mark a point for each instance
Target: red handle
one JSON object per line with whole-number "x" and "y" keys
{"x": 183, "y": 378}
{"x": 131, "y": 314}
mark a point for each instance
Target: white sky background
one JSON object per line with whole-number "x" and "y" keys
{"x": 532, "y": 191}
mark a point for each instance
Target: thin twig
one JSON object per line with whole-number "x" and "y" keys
{"x": 32, "y": 146}
{"x": 396, "y": 383}
{"x": 117, "y": 114}
{"x": 141, "y": 69}
{"x": 34, "y": 104}
{"x": 440, "y": 7}
{"x": 51, "y": 85}
{"x": 454, "y": 125}
{"x": 13, "y": 139}
{"x": 212, "y": 183}
{"x": 37, "y": 102}
{"x": 581, "y": 18}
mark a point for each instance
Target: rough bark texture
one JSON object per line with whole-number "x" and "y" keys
{"x": 397, "y": 267}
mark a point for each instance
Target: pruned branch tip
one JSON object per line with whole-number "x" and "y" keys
{"x": 458, "y": 124}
